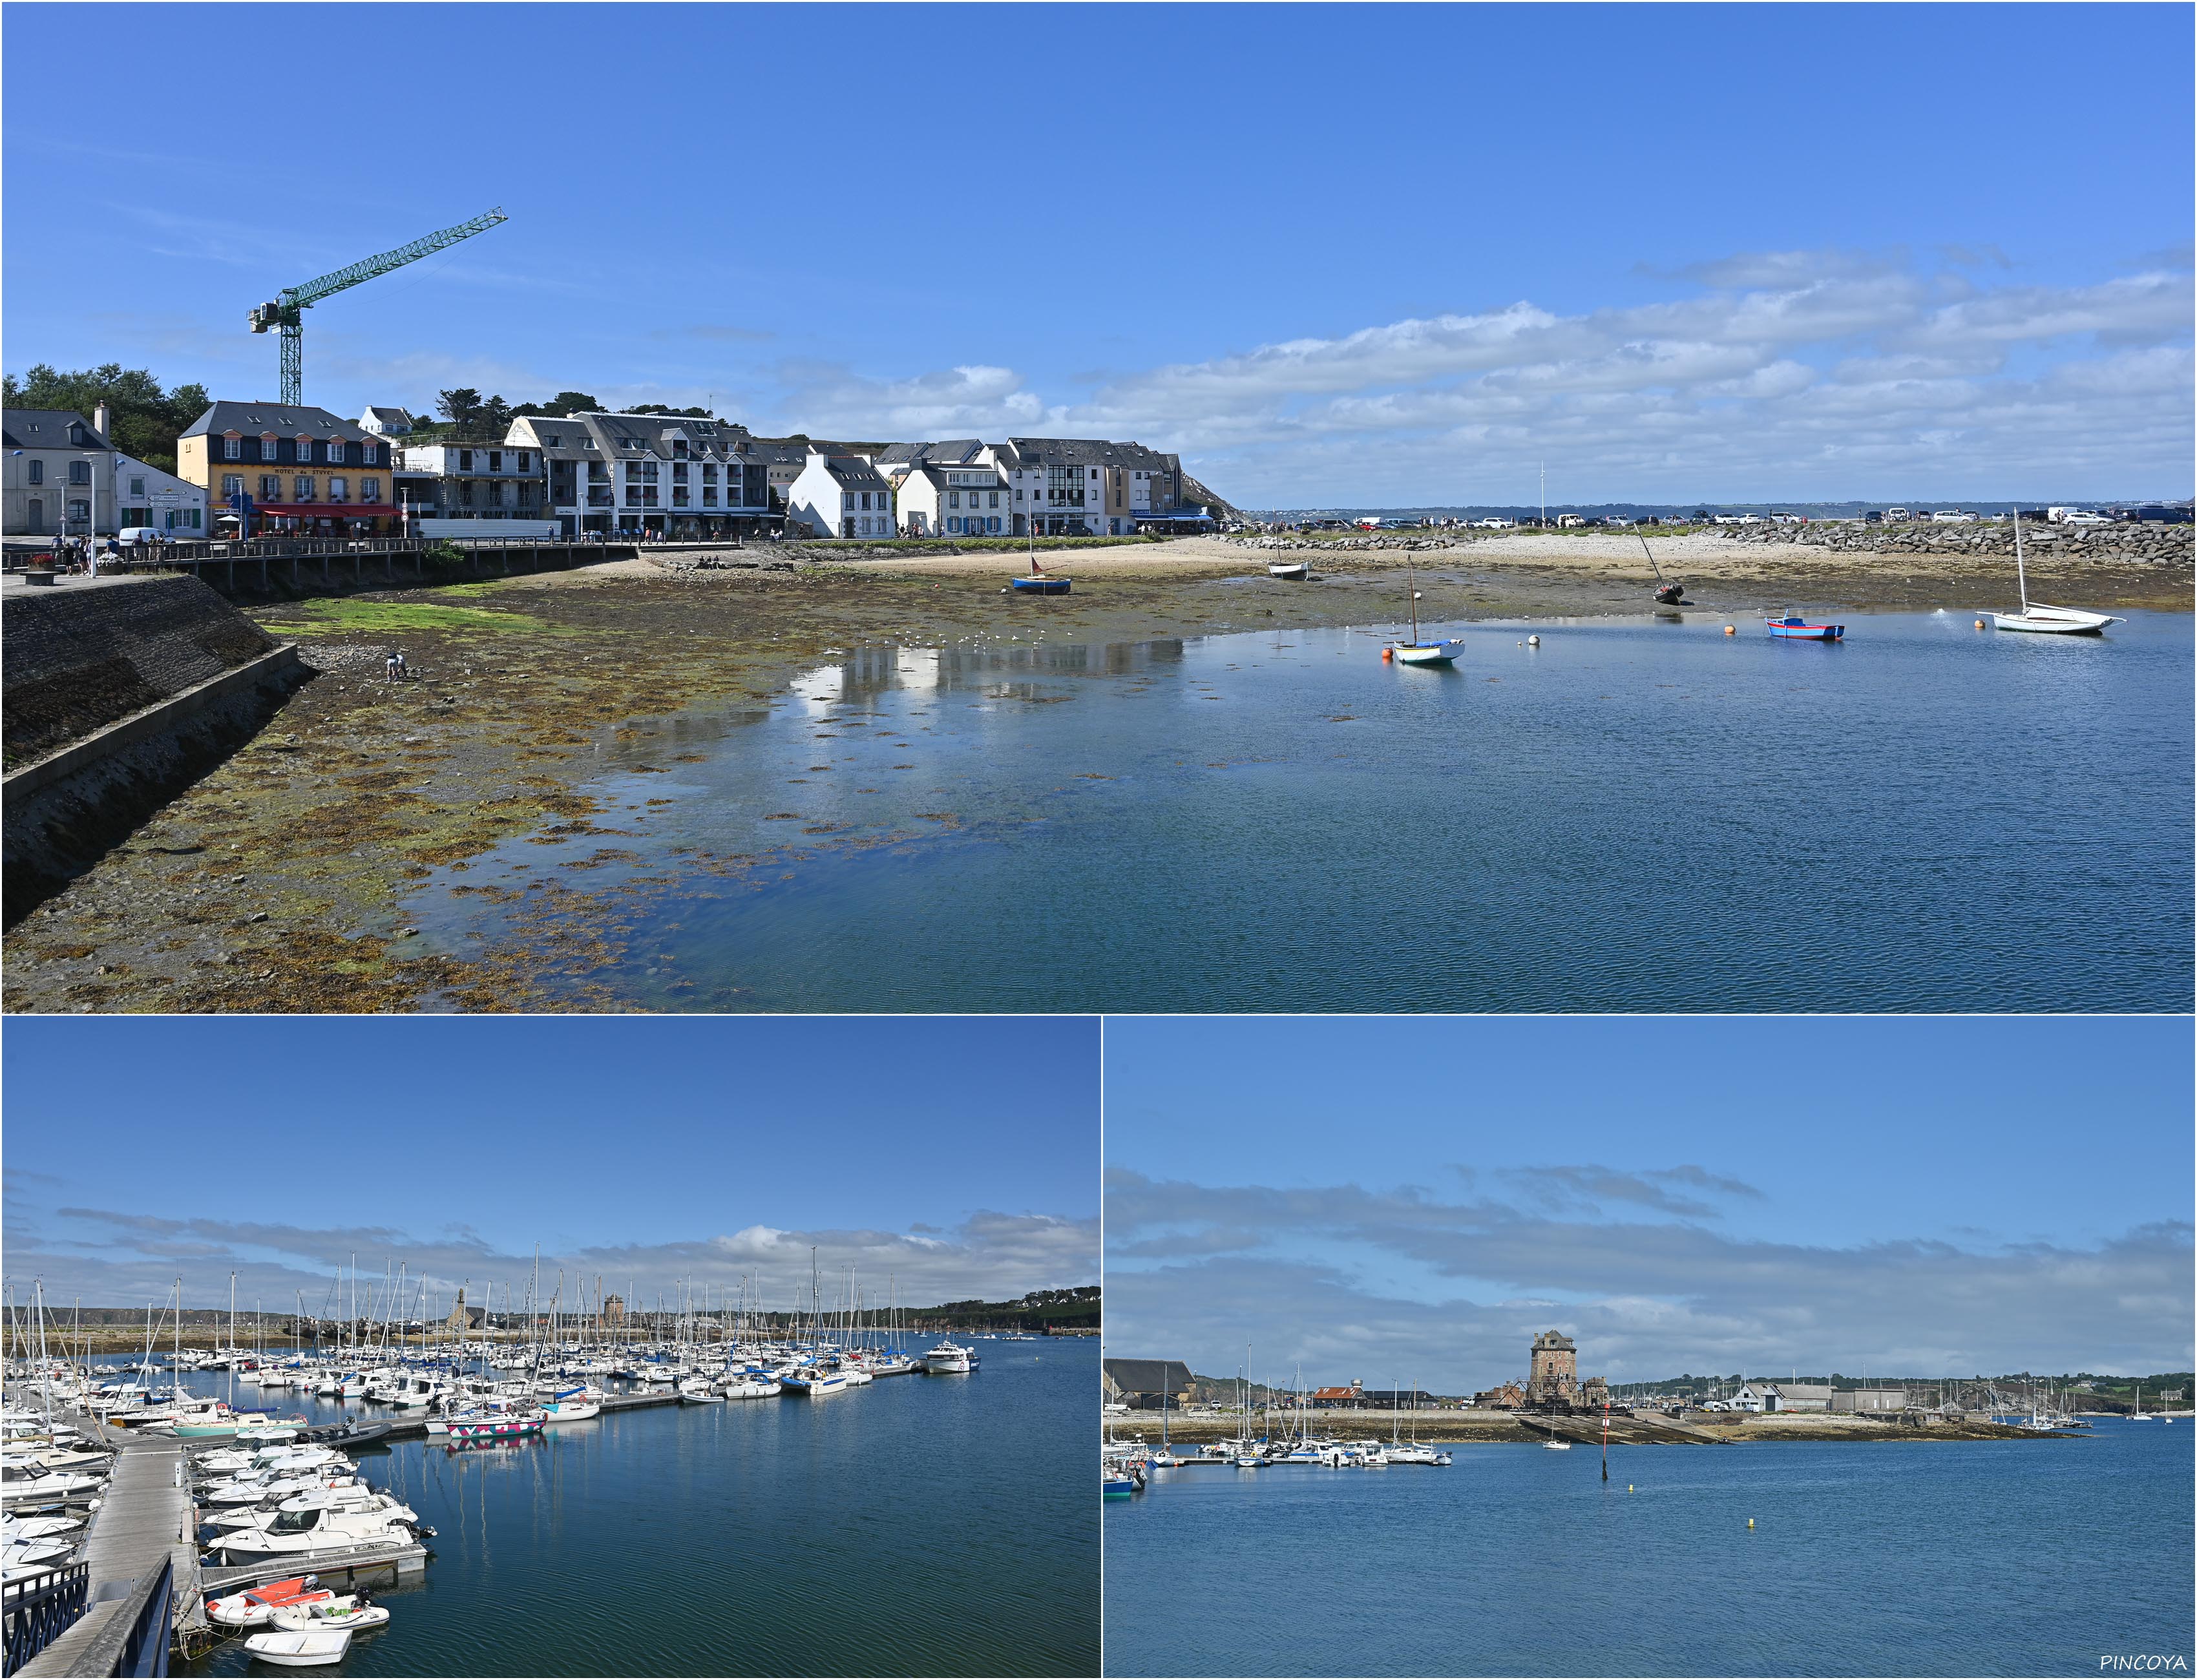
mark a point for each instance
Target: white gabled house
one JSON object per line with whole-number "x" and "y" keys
{"x": 953, "y": 489}
{"x": 841, "y": 496}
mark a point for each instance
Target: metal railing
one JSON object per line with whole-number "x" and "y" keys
{"x": 40, "y": 1608}
{"x": 145, "y": 1652}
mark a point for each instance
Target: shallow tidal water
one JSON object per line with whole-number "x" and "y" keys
{"x": 1638, "y": 814}
{"x": 942, "y": 1526}
{"x": 1923, "y": 1558}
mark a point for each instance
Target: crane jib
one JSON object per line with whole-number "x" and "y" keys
{"x": 286, "y": 311}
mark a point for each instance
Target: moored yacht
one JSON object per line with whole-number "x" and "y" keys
{"x": 947, "y": 1359}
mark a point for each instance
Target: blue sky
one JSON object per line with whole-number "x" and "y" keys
{"x": 1390, "y": 1197}
{"x": 1366, "y": 255}
{"x": 960, "y": 1154}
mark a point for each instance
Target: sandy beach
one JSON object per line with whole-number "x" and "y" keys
{"x": 276, "y": 882}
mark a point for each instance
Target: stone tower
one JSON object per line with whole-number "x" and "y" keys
{"x": 1553, "y": 1379}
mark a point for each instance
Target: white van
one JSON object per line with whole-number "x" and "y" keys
{"x": 131, "y": 536}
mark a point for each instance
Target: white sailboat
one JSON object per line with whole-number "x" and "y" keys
{"x": 2139, "y": 1415}
{"x": 2055, "y": 621}
{"x": 1417, "y": 653}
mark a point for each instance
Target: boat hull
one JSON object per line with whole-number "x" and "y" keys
{"x": 1041, "y": 586}
{"x": 1426, "y": 653}
{"x": 2055, "y": 620}
{"x": 1792, "y": 629}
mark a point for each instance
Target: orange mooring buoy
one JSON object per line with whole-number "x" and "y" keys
{"x": 1979, "y": 623}
{"x": 1387, "y": 653}
{"x": 1731, "y": 629}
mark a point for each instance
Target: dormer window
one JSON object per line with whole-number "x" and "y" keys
{"x": 304, "y": 450}
{"x": 232, "y": 447}
{"x": 370, "y": 453}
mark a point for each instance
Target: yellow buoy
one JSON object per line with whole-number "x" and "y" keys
{"x": 1979, "y": 623}
{"x": 1628, "y": 1487}
{"x": 1750, "y": 1522}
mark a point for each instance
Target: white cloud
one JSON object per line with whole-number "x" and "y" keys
{"x": 1445, "y": 1293}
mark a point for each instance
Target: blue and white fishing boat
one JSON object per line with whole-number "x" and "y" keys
{"x": 1793, "y": 628}
{"x": 1044, "y": 583}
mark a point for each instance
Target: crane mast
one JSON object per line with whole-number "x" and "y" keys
{"x": 286, "y": 313}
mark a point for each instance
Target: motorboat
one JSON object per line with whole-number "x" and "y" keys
{"x": 575, "y": 1405}
{"x": 301, "y": 1534}
{"x": 948, "y": 1358}
{"x": 22, "y": 1483}
{"x": 1793, "y": 628}
{"x": 751, "y": 1386}
{"x": 2051, "y": 620}
{"x": 1558, "y": 1446}
{"x": 697, "y": 1391}
{"x": 311, "y": 1648}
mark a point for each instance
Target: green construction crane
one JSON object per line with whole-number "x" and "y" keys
{"x": 287, "y": 312}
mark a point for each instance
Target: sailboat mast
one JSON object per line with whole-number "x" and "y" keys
{"x": 2020, "y": 571}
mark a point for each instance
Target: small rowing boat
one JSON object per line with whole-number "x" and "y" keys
{"x": 311, "y": 1648}
{"x": 1290, "y": 569}
{"x": 1793, "y": 628}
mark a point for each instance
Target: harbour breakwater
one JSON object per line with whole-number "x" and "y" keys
{"x": 119, "y": 696}
{"x": 1475, "y": 1426}
{"x": 2123, "y": 543}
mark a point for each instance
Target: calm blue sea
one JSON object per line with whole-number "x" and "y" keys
{"x": 1638, "y": 814}
{"x": 1950, "y": 1558}
{"x": 917, "y": 1525}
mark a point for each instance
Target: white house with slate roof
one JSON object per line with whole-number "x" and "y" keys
{"x": 842, "y": 496}
{"x": 953, "y": 489}
{"x": 386, "y": 422}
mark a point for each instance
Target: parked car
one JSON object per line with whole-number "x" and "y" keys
{"x": 1618, "y": 520}
{"x": 1951, "y": 516}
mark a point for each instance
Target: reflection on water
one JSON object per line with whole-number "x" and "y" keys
{"x": 1636, "y": 814}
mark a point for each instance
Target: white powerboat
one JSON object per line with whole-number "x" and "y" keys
{"x": 949, "y": 1359}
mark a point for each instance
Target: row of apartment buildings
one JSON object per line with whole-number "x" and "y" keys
{"x": 616, "y": 475}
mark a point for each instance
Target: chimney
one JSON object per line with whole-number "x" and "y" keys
{"x": 99, "y": 422}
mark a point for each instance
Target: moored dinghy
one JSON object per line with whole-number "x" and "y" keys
{"x": 1417, "y": 653}
{"x": 309, "y": 1647}
{"x": 2051, "y": 620}
{"x": 1290, "y": 569}
{"x": 1793, "y": 628}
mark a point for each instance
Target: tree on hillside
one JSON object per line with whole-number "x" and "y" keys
{"x": 473, "y": 415}
{"x": 143, "y": 420}
{"x": 674, "y": 413}
{"x": 563, "y": 403}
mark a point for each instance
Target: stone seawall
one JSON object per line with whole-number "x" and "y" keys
{"x": 2121, "y": 543}
{"x": 78, "y": 659}
{"x": 117, "y": 698}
